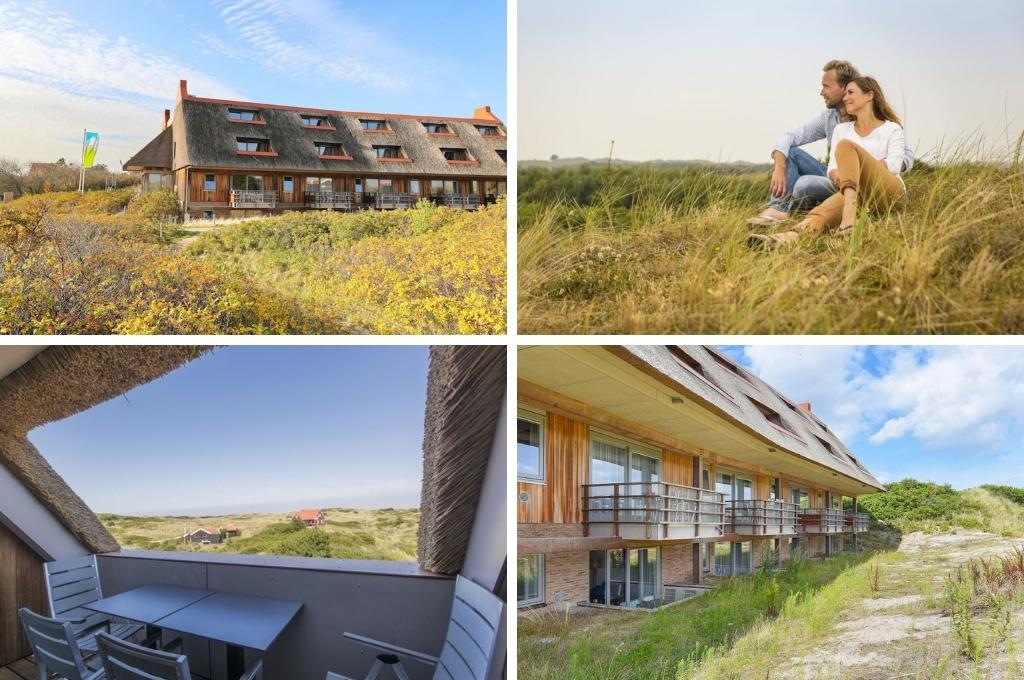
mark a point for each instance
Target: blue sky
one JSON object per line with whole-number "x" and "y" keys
{"x": 113, "y": 67}
{"x": 253, "y": 429}
{"x": 950, "y": 414}
{"x": 723, "y": 79}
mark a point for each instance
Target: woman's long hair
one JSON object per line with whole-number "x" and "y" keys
{"x": 880, "y": 105}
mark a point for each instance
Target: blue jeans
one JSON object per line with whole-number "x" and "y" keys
{"x": 807, "y": 183}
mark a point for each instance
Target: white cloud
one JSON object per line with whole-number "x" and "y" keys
{"x": 313, "y": 39}
{"x": 59, "y": 76}
{"x": 967, "y": 398}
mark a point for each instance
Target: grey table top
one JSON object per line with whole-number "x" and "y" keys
{"x": 149, "y": 604}
{"x": 241, "y": 620}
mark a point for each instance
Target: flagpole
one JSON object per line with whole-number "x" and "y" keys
{"x": 81, "y": 170}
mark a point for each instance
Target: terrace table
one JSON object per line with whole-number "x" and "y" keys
{"x": 239, "y": 621}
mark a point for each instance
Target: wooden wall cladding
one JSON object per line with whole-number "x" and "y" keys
{"x": 566, "y": 458}
{"x": 676, "y": 468}
{"x": 21, "y": 585}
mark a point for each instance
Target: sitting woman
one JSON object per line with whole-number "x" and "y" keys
{"x": 867, "y": 158}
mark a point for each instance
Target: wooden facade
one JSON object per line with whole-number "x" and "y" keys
{"x": 21, "y": 585}
{"x": 558, "y": 499}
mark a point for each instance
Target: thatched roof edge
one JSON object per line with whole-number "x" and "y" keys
{"x": 465, "y": 389}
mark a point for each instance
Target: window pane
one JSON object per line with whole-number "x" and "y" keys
{"x": 238, "y": 182}
{"x": 209, "y": 183}
{"x": 528, "y": 578}
{"x": 372, "y": 185}
{"x": 598, "y": 584}
{"x": 288, "y": 183}
{"x": 723, "y": 559}
{"x": 607, "y": 463}
{"x": 617, "y": 580}
{"x": 643, "y": 468}
{"x": 312, "y": 185}
{"x": 528, "y": 463}
{"x": 414, "y": 186}
{"x": 254, "y": 183}
{"x": 326, "y": 184}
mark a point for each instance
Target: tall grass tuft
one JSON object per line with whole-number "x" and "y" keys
{"x": 644, "y": 250}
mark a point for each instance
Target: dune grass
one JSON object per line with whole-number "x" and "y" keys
{"x": 649, "y": 251}
{"x": 349, "y": 533}
{"x": 614, "y": 644}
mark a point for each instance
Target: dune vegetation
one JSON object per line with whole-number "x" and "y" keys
{"x": 644, "y": 250}
{"x": 936, "y": 592}
{"x": 349, "y": 533}
{"x": 118, "y": 262}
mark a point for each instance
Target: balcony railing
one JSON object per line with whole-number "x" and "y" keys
{"x": 253, "y": 199}
{"x": 329, "y": 200}
{"x": 822, "y": 520}
{"x": 762, "y": 517}
{"x": 857, "y": 522}
{"x": 652, "y": 510}
{"x": 462, "y": 201}
{"x": 395, "y": 201}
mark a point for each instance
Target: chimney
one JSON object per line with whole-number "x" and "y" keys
{"x": 167, "y": 117}
{"x": 484, "y": 113}
{"x": 805, "y": 406}
{"x": 182, "y": 89}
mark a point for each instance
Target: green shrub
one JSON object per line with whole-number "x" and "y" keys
{"x": 158, "y": 205}
{"x": 1013, "y": 493}
{"x": 909, "y": 502}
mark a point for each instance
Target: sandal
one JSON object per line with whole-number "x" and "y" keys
{"x": 768, "y": 216}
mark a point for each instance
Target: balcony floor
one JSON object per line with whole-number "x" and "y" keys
{"x": 22, "y": 669}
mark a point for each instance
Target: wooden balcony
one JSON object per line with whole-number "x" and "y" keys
{"x": 856, "y": 522}
{"x": 329, "y": 200}
{"x": 652, "y": 511}
{"x": 254, "y": 199}
{"x": 822, "y": 520}
{"x": 395, "y": 201}
{"x": 462, "y": 201}
{"x": 762, "y": 518}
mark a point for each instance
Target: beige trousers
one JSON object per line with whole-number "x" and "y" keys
{"x": 877, "y": 188}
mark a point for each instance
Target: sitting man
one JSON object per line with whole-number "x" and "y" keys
{"x": 799, "y": 180}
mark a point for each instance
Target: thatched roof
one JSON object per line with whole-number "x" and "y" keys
{"x": 465, "y": 388}
{"x": 204, "y": 137}
{"x": 61, "y": 381}
{"x": 154, "y": 156}
{"x": 736, "y": 388}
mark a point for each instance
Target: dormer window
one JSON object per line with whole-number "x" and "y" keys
{"x": 488, "y": 130}
{"x": 329, "y": 149}
{"x": 502, "y": 154}
{"x": 373, "y": 124}
{"x": 771, "y": 416}
{"x": 827, "y": 447}
{"x": 694, "y": 366}
{"x": 243, "y": 114}
{"x": 313, "y": 121}
{"x": 252, "y": 144}
{"x": 437, "y": 129}
{"x": 456, "y": 155}
{"x": 388, "y": 151}
{"x": 728, "y": 365}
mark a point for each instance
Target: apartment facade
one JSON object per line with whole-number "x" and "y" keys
{"x": 227, "y": 158}
{"x": 645, "y": 470}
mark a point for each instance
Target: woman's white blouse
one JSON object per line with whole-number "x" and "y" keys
{"x": 886, "y": 142}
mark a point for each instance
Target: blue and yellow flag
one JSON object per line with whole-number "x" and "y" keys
{"x": 92, "y": 142}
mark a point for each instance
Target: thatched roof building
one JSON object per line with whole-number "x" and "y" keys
{"x": 729, "y": 390}
{"x": 214, "y": 139}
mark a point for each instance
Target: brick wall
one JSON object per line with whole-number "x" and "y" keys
{"x": 566, "y": 581}
{"x": 546, "y": 530}
{"x": 677, "y": 563}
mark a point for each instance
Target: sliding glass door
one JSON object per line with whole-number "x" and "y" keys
{"x": 630, "y": 578}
